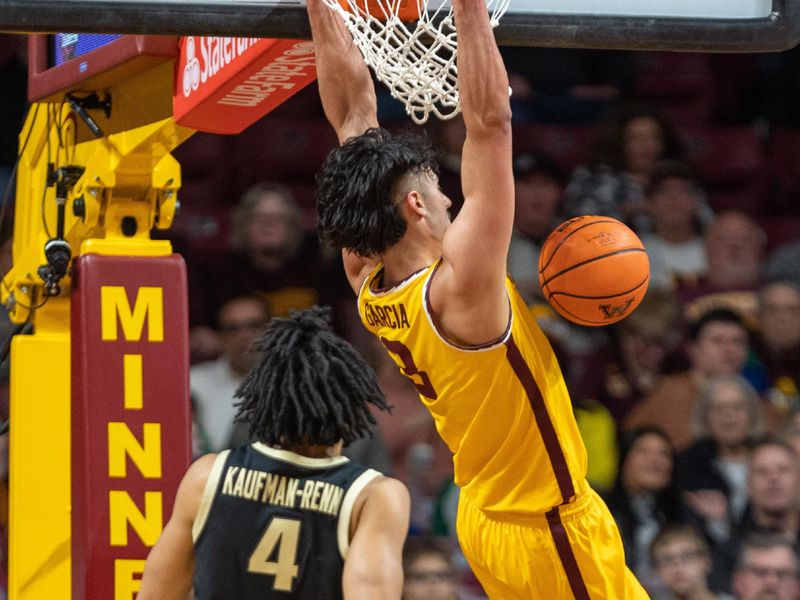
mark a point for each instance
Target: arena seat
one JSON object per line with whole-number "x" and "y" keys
{"x": 732, "y": 73}
{"x": 780, "y": 230}
{"x": 695, "y": 112}
{"x": 567, "y": 144}
{"x": 681, "y": 84}
{"x": 783, "y": 171}
{"x": 731, "y": 165}
{"x": 746, "y": 199}
{"x": 724, "y": 155}
{"x": 205, "y": 161}
{"x": 275, "y": 149}
{"x": 203, "y": 228}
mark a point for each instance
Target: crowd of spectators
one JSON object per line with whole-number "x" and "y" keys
{"x": 690, "y": 408}
{"x": 687, "y": 407}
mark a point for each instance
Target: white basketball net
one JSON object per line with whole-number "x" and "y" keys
{"x": 416, "y": 61}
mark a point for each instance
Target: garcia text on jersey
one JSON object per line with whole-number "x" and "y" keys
{"x": 391, "y": 315}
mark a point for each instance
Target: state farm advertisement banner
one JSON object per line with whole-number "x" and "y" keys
{"x": 225, "y": 84}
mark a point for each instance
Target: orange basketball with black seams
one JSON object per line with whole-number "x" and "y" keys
{"x": 593, "y": 270}
{"x": 405, "y": 10}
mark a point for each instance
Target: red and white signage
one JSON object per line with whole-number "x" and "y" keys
{"x": 225, "y": 84}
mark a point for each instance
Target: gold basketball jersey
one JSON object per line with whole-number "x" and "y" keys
{"x": 502, "y": 407}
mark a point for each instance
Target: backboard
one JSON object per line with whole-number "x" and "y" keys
{"x": 689, "y": 25}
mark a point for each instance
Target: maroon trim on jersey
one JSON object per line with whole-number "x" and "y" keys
{"x": 567, "y": 556}
{"x": 437, "y": 326}
{"x": 543, "y": 421}
{"x": 389, "y": 288}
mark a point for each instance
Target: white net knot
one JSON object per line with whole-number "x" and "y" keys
{"x": 416, "y": 61}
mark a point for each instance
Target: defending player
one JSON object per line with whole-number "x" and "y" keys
{"x": 437, "y": 296}
{"x": 288, "y": 516}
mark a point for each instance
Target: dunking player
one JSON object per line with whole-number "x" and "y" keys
{"x": 288, "y": 516}
{"x": 437, "y": 296}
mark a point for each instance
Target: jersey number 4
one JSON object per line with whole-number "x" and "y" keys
{"x": 284, "y": 534}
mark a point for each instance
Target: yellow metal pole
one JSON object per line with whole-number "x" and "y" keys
{"x": 128, "y": 174}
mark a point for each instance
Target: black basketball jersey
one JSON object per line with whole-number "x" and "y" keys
{"x": 273, "y": 524}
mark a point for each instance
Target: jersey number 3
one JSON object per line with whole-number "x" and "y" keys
{"x": 419, "y": 378}
{"x": 283, "y": 533}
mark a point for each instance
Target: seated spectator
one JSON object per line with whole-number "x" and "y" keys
{"x": 776, "y": 347}
{"x": 735, "y": 251}
{"x": 727, "y": 421}
{"x": 682, "y": 560}
{"x": 766, "y": 569}
{"x": 538, "y": 189}
{"x": 773, "y": 486}
{"x": 214, "y": 383}
{"x": 784, "y": 263}
{"x": 675, "y": 247}
{"x": 429, "y": 573}
{"x": 791, "y": 432}
{"x": 718, "y": 345}
{"x": 629, "y": 368}
{"x": 271, "y": 255}
{"x": 645, "y": 497}
{"x": 621, "y": 160}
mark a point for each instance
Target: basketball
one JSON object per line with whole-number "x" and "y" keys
{"x": 382, "y": 10}
{"x": 593, "y": 270}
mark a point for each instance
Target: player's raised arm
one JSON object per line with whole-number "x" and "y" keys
{"x": 345, "y": 85}
{"x": 347, "y": 94}
{"x": 476, "y": 244}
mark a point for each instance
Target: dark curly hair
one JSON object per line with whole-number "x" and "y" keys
{"x": 311, "y": 387}
{"x": 355, "y": 203}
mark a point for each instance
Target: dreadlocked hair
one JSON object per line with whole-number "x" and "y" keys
{"x": 310, "y": 388}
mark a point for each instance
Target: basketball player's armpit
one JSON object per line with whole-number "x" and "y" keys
{"x": 357, "y": 268}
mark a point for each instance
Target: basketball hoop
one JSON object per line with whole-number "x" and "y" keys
{"x": 415, "y": 60}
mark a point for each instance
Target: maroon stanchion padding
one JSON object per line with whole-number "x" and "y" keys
{"x": 131, "y": 436}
